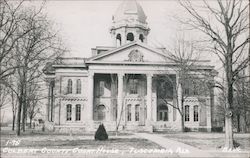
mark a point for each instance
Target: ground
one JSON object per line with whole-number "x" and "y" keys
{"x": 195, "y": 142}
{"x": 209, "y": 141}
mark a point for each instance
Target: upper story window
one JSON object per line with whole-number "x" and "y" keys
{"x": 69, "y": 86}
{"x": 78, "y": 112}
{"x": 130, "y": 37}
{"x": 69, "y": 112}
{"x": 196, "y": 88}
{"x": 78, "y": 86}
{"x": 133, "y": 86}
{"x": 196, "y": 113}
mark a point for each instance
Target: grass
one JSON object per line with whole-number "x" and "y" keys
{"x": 37, "y": 139}
{"x": 209, "y": 141}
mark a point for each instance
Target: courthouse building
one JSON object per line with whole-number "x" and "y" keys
{"x": 122, "y": 84}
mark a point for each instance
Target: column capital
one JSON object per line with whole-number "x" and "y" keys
{"x": 120, "y": 74}
{"x": 91, "y": 74}
{"x": 149, "y": 75}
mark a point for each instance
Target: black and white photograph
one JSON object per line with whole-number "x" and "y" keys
{"x": 124, "y": 78}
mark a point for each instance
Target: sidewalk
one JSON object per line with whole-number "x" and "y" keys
{"x": 180, "y": 149}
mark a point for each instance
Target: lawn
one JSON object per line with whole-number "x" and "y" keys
{"x": 209, "y": 141}
{"x": 37, "y": 139}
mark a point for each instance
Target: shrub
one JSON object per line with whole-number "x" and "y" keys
{"x": 186, "y": 129}
{"x": 101, "y": 133}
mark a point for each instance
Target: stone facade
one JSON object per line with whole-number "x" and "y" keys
{"x": 119, "y": 85}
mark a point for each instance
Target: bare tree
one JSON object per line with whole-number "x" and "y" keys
{"x": 37, "y": 43}
{"x": 187, "y": 83}
{"x": 227, "y": 28}
{"x": 10, "y": 21}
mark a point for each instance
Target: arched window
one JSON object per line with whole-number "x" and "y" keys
{"x": 196, "y": 113}
{"x": 78, "y": 112}
{"x": 129, "y": 112}
{"x": 130, "y": 37}
{"x": 78, "y": 86}
{"x": 101, "y": 111}
{"x": 69, "y": 86}
{"x": 187, "y": 113}
{"x": 141, "y": 37}
{"x": 118, "y": 40}
{"x": 137, "y": 112}
{"x": 163, "y": 113}
{"x": 68, "y": 112}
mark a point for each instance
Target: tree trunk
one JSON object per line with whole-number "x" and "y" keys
{"x": 24, "y": 108}
{"x": 182, "y": 123}
{"x": 30, "y": 122}
{"x": 13, "y": 122}
{"x": 229, "y": 132}
{"x": 238, "y": 122}
{"x": 18, "y": 129}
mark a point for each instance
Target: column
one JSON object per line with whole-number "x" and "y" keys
{"x": 149, "y": 97}
{"x": 208, "y": 109}
{"x": 120, "y": 97}
{"x": 90, "y": 96}
{"x": 179, "y": 97}
{"x": 48, "y": 104}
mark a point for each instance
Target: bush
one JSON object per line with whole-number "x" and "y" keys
{"x": 217, "y": 129}
{"x": 101, "y": 133}
{"x": 186, "y": 129}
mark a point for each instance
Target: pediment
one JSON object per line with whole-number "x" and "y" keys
{"x": 133, "y": 52}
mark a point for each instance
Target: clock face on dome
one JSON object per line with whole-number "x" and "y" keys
{"x": 135, "y": 56}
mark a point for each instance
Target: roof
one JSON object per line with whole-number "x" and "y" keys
{"x": 130, "y": 9}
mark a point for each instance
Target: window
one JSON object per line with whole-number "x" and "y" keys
{"x": 195, "y": 89}
{"x": 137, "y": 113}
{"x": 196, "y": 114}
{"x": 187, "y": 113}
{"x": 141, "y": 37}
{"x": 78, "y": 86}
{"x": 163, "y": 113}
{"x": 102, "y": 86}
{"x": 69, "y": 86}
{"x": 186, "y": 91}
{"x": 129, "y": 112}
{"x": 78, "y": 112}
{"x": 69, "y": 112}
{"x": 130, "y": 37}
{"x": 118, "y": 40}
{"x": 101, "y": 112}
{"x": 133, "y": 85}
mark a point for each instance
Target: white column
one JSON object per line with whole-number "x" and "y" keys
{"x": 208, "y": 110}
{"x": 179, "y": 96}
{"x": 120, "y": 97}
{"x": 90, "y": 96}
{"x": 149, "y": 97}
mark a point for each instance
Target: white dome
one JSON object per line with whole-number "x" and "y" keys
{"x": 130, "y": 10}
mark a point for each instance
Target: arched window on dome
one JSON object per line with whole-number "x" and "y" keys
{"x": 118, "y": 40}
{"x": 130, "y": 37}
{"x": 141, "y": 37}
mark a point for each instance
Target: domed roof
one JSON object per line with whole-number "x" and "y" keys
{"x": 130, "y": 10}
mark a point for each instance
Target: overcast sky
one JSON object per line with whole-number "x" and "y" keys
{"x": 85, "y": 24}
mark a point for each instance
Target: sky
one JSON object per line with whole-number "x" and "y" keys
{"x": 85, "y": 24}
